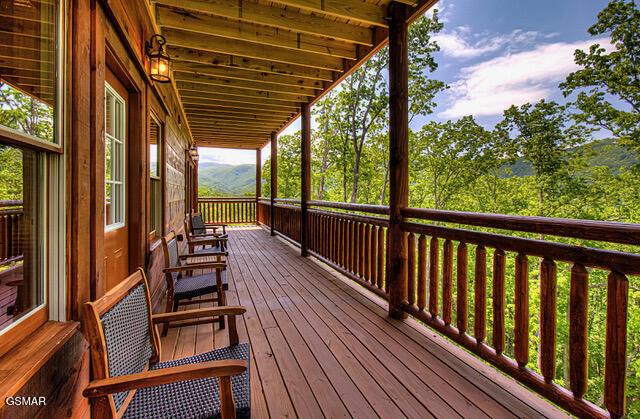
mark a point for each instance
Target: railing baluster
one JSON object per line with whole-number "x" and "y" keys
{"x": 498, "y": 300}
{"x": 447, "y": 282}
{"x": 411, "y": 268}
{"x": 361, "y": 249}
{"x": 381, "y": 256}
{"x": 548, "y": 319}
{"x": 480, "y": 294}
{"x": 422, "y": 272}
{"x": 616, "y": 344}
{"x": 578, "y": 329}
{"x": 352, "y": 235}
{"x": 374, "y": 255}
{"x": 433, "y": 276}
{"x": 521, "y": 302}
{"x": 461, "y": 291}
{"x": 367, "y": 253}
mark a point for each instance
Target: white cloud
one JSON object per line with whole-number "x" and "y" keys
{"x": 461, "y": 43}
{"x": 491, "y": 86}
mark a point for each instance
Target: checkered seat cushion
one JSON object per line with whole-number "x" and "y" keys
{"x": 194, "y": 286}
{"x": 195, "y": 398}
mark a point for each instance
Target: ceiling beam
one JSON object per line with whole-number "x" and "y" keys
{"x": 242, "y": 84}
{"x": 221, "y": 115}
{"x": 232, "y": 91}
{"x": 230, "y": 101}
{"x": 195, "y": 103}
{"x": 241, "y": 74}
{"x": 179, "y": 54}
{"x": 260, "y": 14}
{"x": 265, "y": 35}
{"x": 353, "y": 10}
{"x": 232, "y": 145}
{"x": 225, "y": 124}
{"x": 250, "y": 50}
{"x": 241, "y": 111}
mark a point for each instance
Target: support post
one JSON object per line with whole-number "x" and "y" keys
{"x": 398, "y": 155}
{"x": 305, "y": 193}
{"x": 258, "y": 180}
{"x": 274, "y": 180}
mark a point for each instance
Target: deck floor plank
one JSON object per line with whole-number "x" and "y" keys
{"x": 322, "y": 346}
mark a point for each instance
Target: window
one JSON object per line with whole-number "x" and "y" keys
{"x": 115, "y": 158}
{"x": 32, "y": 169}
{"x": 156, "y": 146}
{"x": 27, "y": 70}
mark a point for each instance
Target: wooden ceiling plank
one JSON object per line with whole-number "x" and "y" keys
{"x": 212, "y": 108}
{"x": 242, "y": 84}
{"x": 231, "y": 91}
{"x": 250, "y": 50}
{"x": 353, "y": 10}
{"x": 230, "y": 101}
{"x": 197, "y": 103}
{"x": 265, "y": 35}
{"x": 179, "y": 54}
{"x": 220, "y": 115}
{"x": 241, "y": 74}
{"x": 278, "y": 18}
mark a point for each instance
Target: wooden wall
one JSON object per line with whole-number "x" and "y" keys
{"x": 95, "y": 28}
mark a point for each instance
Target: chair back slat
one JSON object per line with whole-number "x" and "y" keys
{"x": 127, "y": 337}
{"x": 197, "y": 223}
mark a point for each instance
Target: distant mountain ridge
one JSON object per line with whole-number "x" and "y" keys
{"x": 227, "y": 179}
{"x": 607, "y": 152}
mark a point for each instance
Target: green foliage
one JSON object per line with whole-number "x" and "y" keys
{"x": 215, "y": 179}
{"x": 24, "y": 113}
{"x": 10, "y": 173}
{"x": 607, "y": 73}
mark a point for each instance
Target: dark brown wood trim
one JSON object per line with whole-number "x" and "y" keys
{"x": 305, "y": 170}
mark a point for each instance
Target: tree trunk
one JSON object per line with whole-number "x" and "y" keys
{"x": 356, "y": 177}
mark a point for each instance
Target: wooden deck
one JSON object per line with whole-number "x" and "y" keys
{"x": 323, "y": 346}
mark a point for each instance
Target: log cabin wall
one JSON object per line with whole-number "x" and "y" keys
{"x": 106, "y": 34}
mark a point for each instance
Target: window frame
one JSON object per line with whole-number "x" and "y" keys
{"x": 152, "y": 232}
{"x": 122, "y": 126}
{"x": 51, "y": 240}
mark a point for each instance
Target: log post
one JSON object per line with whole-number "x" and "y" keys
{"x": 274, "y": 180}
{"x": 398, "y": 155}
{"x": 258, "y": 181}
{"x": 305, "y": 193}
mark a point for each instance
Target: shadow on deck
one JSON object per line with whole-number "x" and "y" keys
{"x": 324, "y": 346}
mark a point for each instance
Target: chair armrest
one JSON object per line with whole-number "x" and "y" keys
{"x": 208, "y": 240}
{"x": 198, "y": 313}
{"x": 224, "y": 368}
{"x": 195, "y": 266}
{"x": 201, "y": 235}
{"x": 203, "y": 254}
{"x": 216, "y": 225}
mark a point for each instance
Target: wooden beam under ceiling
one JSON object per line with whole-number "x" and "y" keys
{"x": 243, "y": 84}
{"x": 232, "y": 91}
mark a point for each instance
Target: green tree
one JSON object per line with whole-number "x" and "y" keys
{"x": 611, "y": 73}
{"x": 539, "y": 133}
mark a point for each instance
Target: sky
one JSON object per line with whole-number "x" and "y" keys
{"x": 494, "y": 54}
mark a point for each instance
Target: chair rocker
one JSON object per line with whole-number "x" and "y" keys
{"x": 130, "y": 382}
{"x": 183, "y": 285}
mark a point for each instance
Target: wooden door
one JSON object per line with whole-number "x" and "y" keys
{"x": 116, "y": 236}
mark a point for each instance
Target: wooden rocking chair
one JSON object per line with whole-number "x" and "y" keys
{"x": 129, "y": 382}
{"x": 183, "y": 285}
{"x": 203, "y": 242}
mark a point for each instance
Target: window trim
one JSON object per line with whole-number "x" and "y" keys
{"x": 124, "y": 143}
{"x": 152, "y": 234}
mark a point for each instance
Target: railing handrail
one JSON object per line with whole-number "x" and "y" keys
{"x": 11, "y": 203}
{"x": 226, "y": 198}
{"x": 372, "y": 209}
{"x": 605, "y": 231}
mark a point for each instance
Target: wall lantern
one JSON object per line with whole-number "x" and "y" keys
{"x": 193, "y": 151}
{"x": 159, "y": 60}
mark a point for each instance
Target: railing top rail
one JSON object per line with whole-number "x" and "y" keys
{"x": 379, "y": 221}
{"x": 226, "y": 198}
{"x": 14, "y": 203}
{"x": 373, "y": 209}
{"x": 604, "y": 231}
{"x": 288, "y": 200}
{"x": 626, "y": 263}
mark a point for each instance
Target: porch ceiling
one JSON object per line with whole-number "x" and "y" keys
{"x": 244, "y": 68}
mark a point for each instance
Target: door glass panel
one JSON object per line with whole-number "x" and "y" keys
{"x": 115, "y": 129}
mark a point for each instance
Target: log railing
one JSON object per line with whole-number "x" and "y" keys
{"x": 480, "y": 265}
{"x": 228, "y": 210}
{"x": 458, "y": 277}
{"x": 11, "y": 216}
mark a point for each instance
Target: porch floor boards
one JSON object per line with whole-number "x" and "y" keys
{"x": 324, "y": 346}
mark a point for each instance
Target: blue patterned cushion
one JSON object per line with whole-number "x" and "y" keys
{"x": 127, "y": 336}
{"x": 194, "y": 286}
{"x": 194, "y": 398}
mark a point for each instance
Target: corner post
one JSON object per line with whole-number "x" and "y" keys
{"x": 305, "y": 183}
{"x": 258, "y": 181}
{"x": 398, "y": 155}
{"x": 274, "y": 180}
